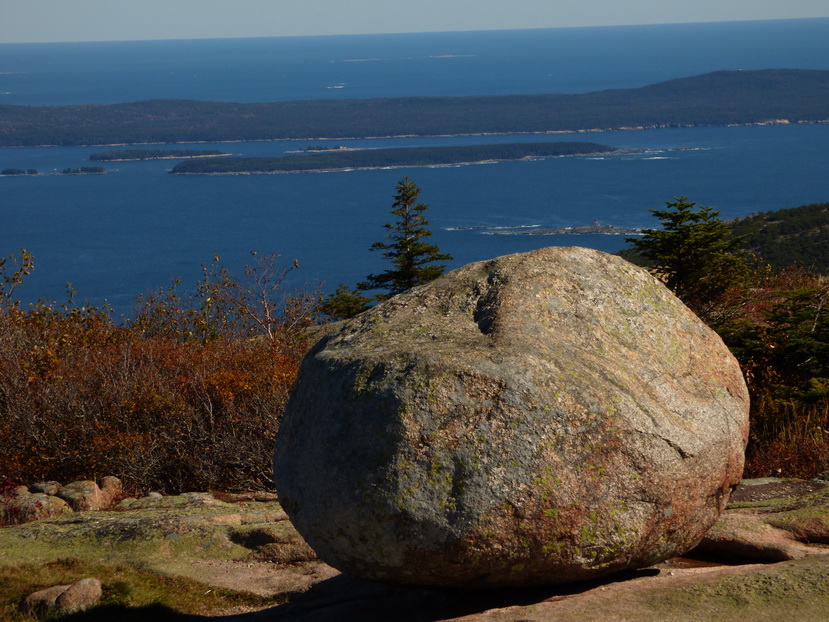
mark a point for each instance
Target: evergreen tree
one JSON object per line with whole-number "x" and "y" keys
{"x": 411, "y": 256}
{"x": 345, "y": 303}
{"x": 696, "y": 256}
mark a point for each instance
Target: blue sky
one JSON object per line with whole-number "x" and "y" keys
{"x": 105, "y": 20}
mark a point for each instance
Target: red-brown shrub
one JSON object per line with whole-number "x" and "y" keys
{"x": 83, "y": 397}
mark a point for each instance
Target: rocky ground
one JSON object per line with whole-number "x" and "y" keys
{"x": 244, "y": 543}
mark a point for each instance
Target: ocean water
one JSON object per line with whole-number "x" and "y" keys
{"x": 137, "y": 228}
{"x": 567, "y": 60}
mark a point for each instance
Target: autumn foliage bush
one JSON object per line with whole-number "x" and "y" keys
{"x": 781, "y": 338}
{"x": 186, "y": 396}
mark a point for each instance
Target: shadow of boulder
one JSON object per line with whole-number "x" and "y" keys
{"x": 345, "y": 599}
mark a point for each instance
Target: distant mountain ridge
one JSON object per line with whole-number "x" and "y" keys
{"x": 718, "y": 98}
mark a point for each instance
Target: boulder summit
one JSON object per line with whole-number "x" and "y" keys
{"x": 535, "y": 419}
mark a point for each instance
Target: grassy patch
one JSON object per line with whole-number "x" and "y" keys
{"x": 115, "y": 537}
{"x": 129, "y": 590}
{"x": 773, "y": 593}
{"x": 144, "y": 558}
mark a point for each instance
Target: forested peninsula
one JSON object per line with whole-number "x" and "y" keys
{"x": 719, "y": 98}
{"x": 380, "y": 158}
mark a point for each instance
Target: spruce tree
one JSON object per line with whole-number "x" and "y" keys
{"x": 695, "y": 255}
{"x": 413, "y": 259}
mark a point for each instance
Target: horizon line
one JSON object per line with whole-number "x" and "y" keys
{"x": 425, "y": 32}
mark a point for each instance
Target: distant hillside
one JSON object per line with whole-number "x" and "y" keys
{"x": 796, "y": 236}
{"x": 720, "y": 98}
{"x": 782, "y": 238}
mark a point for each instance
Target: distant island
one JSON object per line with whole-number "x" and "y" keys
{"x": 129, "y": 155}
{"x": 714, "y": 99}
{"x": 384, "y": 158}
{"x": 594, "y": 229}
{"x": 84, "y": 170}
{"x": 18, "y": 171}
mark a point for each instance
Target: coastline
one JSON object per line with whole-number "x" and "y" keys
{"x": 194, "y": 157}
{"x": 458, "y": 135}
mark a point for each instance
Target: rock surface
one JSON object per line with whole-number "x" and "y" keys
{"x": 264, "y": 556}
{"x": 771, "y": 520}
{"x": 246, "y": 547}
{"x": 536, "y": 419}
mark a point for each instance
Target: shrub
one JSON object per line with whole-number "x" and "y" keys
{"x": 82, "y": 396}
{"x": 782, "y": 342}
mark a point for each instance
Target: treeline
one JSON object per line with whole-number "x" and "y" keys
{"x": 375, "y": 158}
{"x": 84, "y": 170}
{"x": 790, "y": 237}
{"x": 720, "y": 98}
{"x": 153, "y": 154}
{"x": 18, "y": 171}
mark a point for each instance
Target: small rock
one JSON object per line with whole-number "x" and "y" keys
{"x": 83, "y": 496}
{"x": 49, "y": 488}
{"x": 112, "y": 490}
{"x": 79, "y": 596}
{"x": 44, "y": 601}
{"x": 227, "y": 519}
{"x": 198, "y": 498}
{"x": 64, "y": 599}
{"x": 265, "y": 497}
{"x": 241, "y": 497}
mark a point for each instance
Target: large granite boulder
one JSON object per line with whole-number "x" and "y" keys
{"x": 535, "y": 419}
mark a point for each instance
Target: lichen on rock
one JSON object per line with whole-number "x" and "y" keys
{"x": 535, "y": 419}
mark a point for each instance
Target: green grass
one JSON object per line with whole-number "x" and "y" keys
{"x": 144, "y": 559}
{"x": 130, "y": 591}
{"x": 800, "y": 588}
